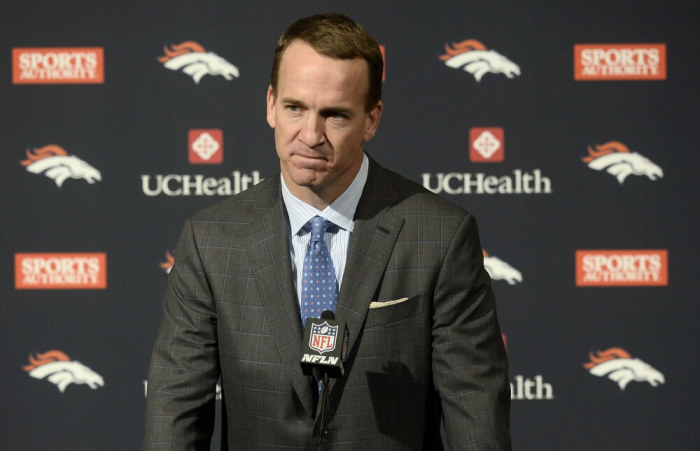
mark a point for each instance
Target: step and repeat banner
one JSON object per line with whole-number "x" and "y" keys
{"x": 570, "y": 129}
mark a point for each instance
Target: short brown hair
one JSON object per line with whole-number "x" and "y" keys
{"x": 336, "y": 36}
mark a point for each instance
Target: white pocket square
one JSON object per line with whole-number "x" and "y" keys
{"x": 387, "y": 303}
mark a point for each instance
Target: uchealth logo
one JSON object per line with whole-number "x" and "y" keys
{"x": 500, "y": 270}
{"x": 616, "y": 159}
{"x": 600, "y": 268}
{"x": 518, "y": 182}
{"x": 620, "y": 367}
{"x": 523, "y": 388}
{"x": 56, "y": 367}
{"x": 530, "y": 388}
{"x": 486, "y": 144}
{"x": 175, "y": 185}
{"x": 594, "y": 62}
{"x": 191, "y": 58}
{"x": 55, "y": 163}
{"x": 58, "y": 65}
{"x": 206, "y": 146}
{"x": 61, "y": 271}
{"x": 473, "y": 56}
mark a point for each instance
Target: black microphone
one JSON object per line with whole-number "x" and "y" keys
{"x": 324, "y": 347}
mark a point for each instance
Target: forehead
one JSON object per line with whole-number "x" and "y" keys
{"x": 302, "y": 68}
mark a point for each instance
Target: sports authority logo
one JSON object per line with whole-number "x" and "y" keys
{"x": 58, "y": 65}
{"x": 323, "y": 337}
{"x": 473, "y": 57}
{"x": 56, "y": 367}
{"x": 599, "y": 268}
{"x": 617, "y": 160}
{"x": 61, "y": 271}
{"x": 195, "y": 61}
{"x": 619, "y": 62}
{"x": 54, "y": 162}
{"x": 486, "y": 144}
{"x": 617, "y": 365}
{"x": 206, "y": 146}
{"x": 500, "y": 270}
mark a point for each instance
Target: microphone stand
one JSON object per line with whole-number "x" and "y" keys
{"x": 319, "y": 429}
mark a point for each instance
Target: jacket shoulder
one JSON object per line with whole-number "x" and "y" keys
{"x": 245, "y": 206}
{"x": 411, "y": 198}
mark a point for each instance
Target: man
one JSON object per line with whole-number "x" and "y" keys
{"x": 424, "y": 340}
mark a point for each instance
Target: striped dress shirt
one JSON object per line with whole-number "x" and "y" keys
{"x": 340, "y": 213}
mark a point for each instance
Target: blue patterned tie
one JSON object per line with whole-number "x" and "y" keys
{"x": 319, "y": 290}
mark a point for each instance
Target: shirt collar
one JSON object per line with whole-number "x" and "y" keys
{"x": 340, "y": 212}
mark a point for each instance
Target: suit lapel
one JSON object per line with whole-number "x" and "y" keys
{"x": 268, "y": 247}
{"x": 267, "y": 241}
{"x": 373, "y": 238}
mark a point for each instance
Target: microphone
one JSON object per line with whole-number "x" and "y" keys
{"x": 324, "y": 347}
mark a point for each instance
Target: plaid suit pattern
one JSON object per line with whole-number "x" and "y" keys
{"x": 231, "y": 309}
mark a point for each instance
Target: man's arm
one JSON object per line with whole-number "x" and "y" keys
{"x": 184, "y": 364}
{"x": 469, "y": 361}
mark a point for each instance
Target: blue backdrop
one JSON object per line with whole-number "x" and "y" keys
{"x": 583, "y": 189}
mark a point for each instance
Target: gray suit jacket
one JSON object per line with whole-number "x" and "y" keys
{"x": 231, "y": 311}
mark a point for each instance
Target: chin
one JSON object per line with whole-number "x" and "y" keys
{"x": 307, "y": 178}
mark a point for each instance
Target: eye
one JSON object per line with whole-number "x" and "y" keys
{"x": 337, "y": 116}
{"x": 294, "y": 109}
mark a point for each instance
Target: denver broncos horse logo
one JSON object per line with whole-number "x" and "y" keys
{"x": 55, "y": 163}
{"x": 196, "y": 62}
{"x": 60, "y": 370}
{"x": 169, "y": 262}
{"x": 473, "y": 56}
{"x": 617, "y": 160}
{"x": 617, "y": 365}
{"x": 500, "y": 270}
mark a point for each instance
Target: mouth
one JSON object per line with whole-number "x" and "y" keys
{"x": 310, "y": 156}
{"x": 309, "y": 162}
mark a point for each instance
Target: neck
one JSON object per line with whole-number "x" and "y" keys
{"x": 321, "y": 197}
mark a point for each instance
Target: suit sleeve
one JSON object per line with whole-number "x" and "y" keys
{"x": 184, "y": 363}
{"x": 469, "y": 361}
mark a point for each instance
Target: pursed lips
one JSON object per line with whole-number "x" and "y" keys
{"x": 311, "y": 156}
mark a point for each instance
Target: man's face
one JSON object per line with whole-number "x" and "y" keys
{"x": 320, "y": 119}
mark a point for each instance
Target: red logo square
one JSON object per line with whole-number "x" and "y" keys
{"x": 206, "y": 146}
{"x": 486, "y": 144}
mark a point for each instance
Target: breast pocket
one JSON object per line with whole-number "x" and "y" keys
{"x": 396, "y": 336}
{"x": 393, "y": 312}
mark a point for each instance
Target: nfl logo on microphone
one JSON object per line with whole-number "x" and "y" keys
{"x": 323, "y": 337}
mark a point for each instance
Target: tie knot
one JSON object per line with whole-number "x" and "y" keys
{"x": 319, "y": 226}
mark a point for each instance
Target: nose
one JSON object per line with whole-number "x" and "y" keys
{"x": 311, "y": 133}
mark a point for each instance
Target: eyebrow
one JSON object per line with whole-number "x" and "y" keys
{"x": 292, "y": 101}
{"x": 323, "y": 111}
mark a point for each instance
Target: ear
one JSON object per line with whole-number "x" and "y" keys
{"x": 271, "y": 107}
{"x": 372, "y": 121}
